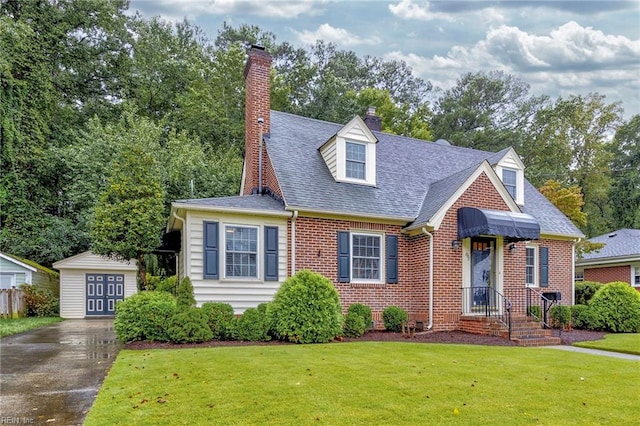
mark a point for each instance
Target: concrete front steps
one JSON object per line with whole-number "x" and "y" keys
{"x": 524, "y": 330}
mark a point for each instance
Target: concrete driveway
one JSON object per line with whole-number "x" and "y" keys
{"x": 51, "y": 375}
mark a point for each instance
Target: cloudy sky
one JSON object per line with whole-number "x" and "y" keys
{"x": 558, "y": 47}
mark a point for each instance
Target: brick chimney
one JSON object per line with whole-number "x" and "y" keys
{"x": 372, "y": 121}
{"x": 257, "y": 118}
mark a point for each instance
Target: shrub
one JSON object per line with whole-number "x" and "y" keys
{"x": 185, "y": 294}
{"x": 40, "y": 302}
{"x": 393, "y": 317}
{"x": 220, "y": 318}
{"x": 364, "y": 311}
{"x": 158, "y": 283}
{"x": 585, "y": 318}
{"x": 144, "y": 316}
{"x": 585, "y": 290}
{"x": 354, "y": 325}
{"x": 251, "y": 326}
{"x": 560, "y": 316}
{"x": 189, "y": 325}
{"x": 617, "y": 307}
{"x": 306, "y": 309}
{"x": 534, "y": 311}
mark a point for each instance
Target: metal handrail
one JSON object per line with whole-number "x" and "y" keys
{"x": 487, "y": 301}
{"x": 539, "y": 310}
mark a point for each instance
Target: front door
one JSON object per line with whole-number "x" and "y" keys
{"x": 482, "y": 274}
{"x": 103, "y": 291}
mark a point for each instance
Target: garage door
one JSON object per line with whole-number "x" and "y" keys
{"x": 103, "y": 290}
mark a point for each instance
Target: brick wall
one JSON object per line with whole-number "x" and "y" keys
{"x": 610, "y": 274}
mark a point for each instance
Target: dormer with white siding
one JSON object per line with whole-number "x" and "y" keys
{"x": 350, "y": 154}
{"x": 511, "y": 171}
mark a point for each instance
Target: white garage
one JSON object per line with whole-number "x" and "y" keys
{"x": 90, "y": 285}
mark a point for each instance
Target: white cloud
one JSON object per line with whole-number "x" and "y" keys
{"x": 338, "y": 36}
{"x": 408, "y": 9}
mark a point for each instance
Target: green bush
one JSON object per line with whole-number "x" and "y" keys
{"x": 158, "y": 283}
{"x": 189, "y": 325}
{"x": 393, "y": 318}
{"x": 353, "y": 325}
{"x": 585, "y": 290}
{"x": 560, "y": 316}
{"x": 306, "y": 309}
{"x": 40, "y": 302}
{"x": 185, "y": 294}
{"x": 364, "y": 311}
{"x": 617, "y": 307}
{"x": 144, "y": 316}
{"x": 251, "y": 326}
{"x": 220, "y": 318}
{"x": 585, "y": 318}
{"x": 534, "y": 311}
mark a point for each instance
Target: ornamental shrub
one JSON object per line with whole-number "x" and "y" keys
{"x": 159, "y": 283}
{"x": 353, "y": 325}
{"x": 220, "y": 318}
{"x": 617, "y": 306}
{"x": 364, "y": 311}
{"x": 251, "y": 326}
{"x": 560, "y": 316}
{"x": 144, "y": 316}
{"x": 393, "y": 317}
{"x": 585, "y": 290}
{"x": 40, "y": 302}
{"x": 185, "y": 294}
{"x": 585, "y": 318}
{"x": 306, "y": 309}
{"x": 189, "y": 325}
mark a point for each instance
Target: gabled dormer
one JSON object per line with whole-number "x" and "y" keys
{"x": 510, "y": 169}
{"x": 350, "y": 154}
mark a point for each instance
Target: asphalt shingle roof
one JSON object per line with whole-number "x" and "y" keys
{"x": 620, "y": 243}
{"x": 247, "y": 202}
{"x": 413, "y": 177}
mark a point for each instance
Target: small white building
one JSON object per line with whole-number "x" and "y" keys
{"x": 90, "y": 285}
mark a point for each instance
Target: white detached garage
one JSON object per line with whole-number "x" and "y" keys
{"x": 90, "y": 285}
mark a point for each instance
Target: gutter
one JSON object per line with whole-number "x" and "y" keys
{"x": 294, "y": 216}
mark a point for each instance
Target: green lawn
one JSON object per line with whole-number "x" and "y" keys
{"x": 9, "y": 326}
{"x": 367, "y": 383}
{"x": 628, "y": 343}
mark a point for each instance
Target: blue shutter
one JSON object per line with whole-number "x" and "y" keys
{"x": 392, "y": 259}
{"x": 544, "y": 266}
{"x": 343, "y": 257}
{"x": 271, "y": 253}
{"x": 211, "y": 244}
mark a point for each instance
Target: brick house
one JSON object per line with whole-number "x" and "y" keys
{"x": 445, "y": 232}
{"x": 618, "y": 260}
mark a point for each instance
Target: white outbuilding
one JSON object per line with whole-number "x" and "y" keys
{"x": 90, "y": 285}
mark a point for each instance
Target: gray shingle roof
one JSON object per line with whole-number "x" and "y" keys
{"x": 618, "y": 244}
{"x": 247, "y": 202}
{"x": 414, "y": 177}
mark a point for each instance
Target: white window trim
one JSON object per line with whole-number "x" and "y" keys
{"x": 370, "y": 162}
{"x": 224, "y": 252}
{"x": 382, "y": 278}
{"x": 635, "y": 271}
{"x": 346, "y": 160}
{"x": 536, "y": 266}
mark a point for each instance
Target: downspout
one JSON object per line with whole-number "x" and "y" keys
{"x": 430, "y": 325}
{"x": 183, "y": 230}
{"x": 573, "y": 268}
{"x": 260, "y": 123}
{"x": 294, "y": 216}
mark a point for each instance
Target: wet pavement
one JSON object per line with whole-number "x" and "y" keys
{"x": 52, "y": 375}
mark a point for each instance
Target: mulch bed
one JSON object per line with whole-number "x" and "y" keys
{"x": 451, "y": 337}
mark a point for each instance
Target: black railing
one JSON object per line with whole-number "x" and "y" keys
{"x": 539, "y": 305}
{"x": 488, "y": 302}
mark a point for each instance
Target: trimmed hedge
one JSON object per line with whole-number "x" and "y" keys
{"x": 144, "y": 316}
{"x": 251, "y": 326}
{"x": 354, "y": 325}
{"x": 189, "y": 326}
{"x": 393, "y": 316}
{"x": 364, "y": 311}
{"x": 617, "y": 307}
{"x": 220, "y": 318}
{"x": 306, "y": 309}
{"x": 585, "y": 290}
{"x": 560, "y": 316}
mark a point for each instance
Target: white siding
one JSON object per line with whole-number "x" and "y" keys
{"x": 356, "y": 133}
{"x": 330, "y": 155}
{"x": 239, "y": 293}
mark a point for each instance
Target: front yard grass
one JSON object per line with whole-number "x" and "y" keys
{"x": 628, "y": 343}
{"x": 9, "y": 326}
{"x": 367, "y": 383}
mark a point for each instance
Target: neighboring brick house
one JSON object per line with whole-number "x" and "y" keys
{"x": 618, "y": 260}
{"x": 390, "y": 220}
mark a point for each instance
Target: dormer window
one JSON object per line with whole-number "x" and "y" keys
{"x": 510, "y": 169}
{"x": 510, "y": 180}
{"x": 356, "y": 154}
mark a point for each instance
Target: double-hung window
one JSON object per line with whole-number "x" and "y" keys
{"x": 510, "y": 181}
{"x": 365, "y": 257}
{"x": 531, "y": 268}
{"x": 635, "y": 276}
{"x": 356, "y": 157}
{"x": 241, "y": 251}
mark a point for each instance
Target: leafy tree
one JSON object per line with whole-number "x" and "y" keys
{"x": 625, "y": 191}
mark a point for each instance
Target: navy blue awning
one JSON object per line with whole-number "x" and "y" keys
{"x": 474, "y": 222}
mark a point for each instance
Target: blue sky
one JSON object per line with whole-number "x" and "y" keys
{"x": 559, "y": 47}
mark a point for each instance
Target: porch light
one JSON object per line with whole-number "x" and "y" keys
{"x": 512, "y": 247}
{"x": 455, "y": 244}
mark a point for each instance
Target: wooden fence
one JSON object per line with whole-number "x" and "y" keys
{"x": 12, "y": 303}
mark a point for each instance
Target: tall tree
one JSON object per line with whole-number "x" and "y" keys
{"x": 625, "y": 168}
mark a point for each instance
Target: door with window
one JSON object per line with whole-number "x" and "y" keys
{"x": 103, "y": 291}
{"x": 482, "y": 275}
